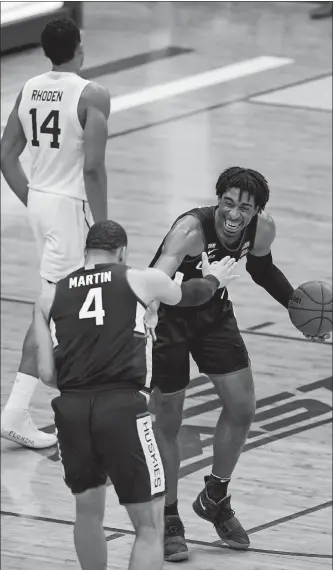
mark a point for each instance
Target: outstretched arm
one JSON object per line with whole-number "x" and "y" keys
{"x": 196, "y": 291}
{"x": 154, "y": 285}
{"x": 13, "y": 144}
{"x": 44, "y": 344}
{"x": 184, "y": 238}
{"x": 260, "y": 263}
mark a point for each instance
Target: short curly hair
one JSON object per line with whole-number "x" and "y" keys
{"x": 247, "y": 180}
{"x": 107, "y": 235}
{"x": 60, "y": 39}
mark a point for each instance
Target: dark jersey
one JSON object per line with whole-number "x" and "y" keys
{"x": 99, "y": 329}
{"x": 216, "y": 250}
{"x": 179, "y": 324}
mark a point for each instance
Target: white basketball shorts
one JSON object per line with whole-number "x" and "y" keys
{"x": 60, "y": 225}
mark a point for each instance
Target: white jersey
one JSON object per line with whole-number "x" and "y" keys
{"x": 48, "y": 113}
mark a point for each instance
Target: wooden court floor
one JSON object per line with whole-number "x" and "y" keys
{"x": 163, "y": 157}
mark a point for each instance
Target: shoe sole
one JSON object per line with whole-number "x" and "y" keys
{"x": 227, "y": 541}
{"x": 23, "y": 444}
{"x": 177, "y": 557}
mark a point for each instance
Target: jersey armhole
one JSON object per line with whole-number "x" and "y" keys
{"x": 189, "y": 258}
{"x": 131, "y": 289}
{"x": 254, "y": 231}
{"x": 76, "y": 109}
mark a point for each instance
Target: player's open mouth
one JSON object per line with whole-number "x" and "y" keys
{"x": 232, "y": 226}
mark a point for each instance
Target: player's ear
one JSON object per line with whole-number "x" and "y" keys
{"x": 123, "y": 254}
{"x": 80, "y": 54}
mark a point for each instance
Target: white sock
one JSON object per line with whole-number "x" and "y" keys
{"x": 222, "y": 479}
{"x": 22, "y": 392}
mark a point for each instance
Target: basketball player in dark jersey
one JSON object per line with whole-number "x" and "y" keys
{"x": 102, "y": 420}
{"x": 237, "y": 226}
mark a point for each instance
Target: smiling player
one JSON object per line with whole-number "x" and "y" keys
{"x": 237, "y": 227}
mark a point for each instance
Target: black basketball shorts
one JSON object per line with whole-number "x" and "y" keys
{"x": 109, "y": 434}
{"x": 209, "y": 333}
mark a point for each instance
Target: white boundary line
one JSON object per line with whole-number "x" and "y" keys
{"x": 196, "y": 82}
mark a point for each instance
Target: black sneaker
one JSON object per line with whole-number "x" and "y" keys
{"x": 175, "y": 547}
{"x": 222, "y": 516}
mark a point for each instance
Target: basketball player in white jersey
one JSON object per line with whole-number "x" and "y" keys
{"x": 62, "y": 118}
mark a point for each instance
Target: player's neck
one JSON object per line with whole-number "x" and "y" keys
{"x": 65, "y": 68}
{"x": 99, "y": 257}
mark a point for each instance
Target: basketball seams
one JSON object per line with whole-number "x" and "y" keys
{"x": 311, "y": 320}
{"x": 312, "y": 299}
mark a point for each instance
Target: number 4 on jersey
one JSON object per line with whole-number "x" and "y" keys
{"x": 94, "y": 296}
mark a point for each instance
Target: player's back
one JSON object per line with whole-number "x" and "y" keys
{"x": 48, "y": 112}
{"x": 99, "y": 328}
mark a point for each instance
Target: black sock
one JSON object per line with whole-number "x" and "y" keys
{"x": 171, "y": 509}
{"x": 217, "y": 489}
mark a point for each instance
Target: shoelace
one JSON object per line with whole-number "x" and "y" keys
{"x": 224, "y": 513}
{"x": 30, "y": 420}
{"x": 174, "y": 529}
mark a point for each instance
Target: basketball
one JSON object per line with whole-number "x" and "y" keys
{"x": 310, "y": 308}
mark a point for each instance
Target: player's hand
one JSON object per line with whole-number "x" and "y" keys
{"x": 317, "y": 338}
{"x": 222, "y": 270}
{"x": 150, "y": 320}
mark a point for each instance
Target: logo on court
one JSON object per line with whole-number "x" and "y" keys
{"x": 279, "y": 416}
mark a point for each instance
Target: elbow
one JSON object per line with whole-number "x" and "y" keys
{"x": 47, "y": 375}
{"x": 254, "y": 275}
{"x": 93, "y": 168}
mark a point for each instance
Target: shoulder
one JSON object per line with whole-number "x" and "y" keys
{"x": 144, "y": 276}
{"x": 265, "y": 233}
{"x": 145, "y": 283}
{"x": 186, "y": 235}
{"x": 187, "y": 226}
{"x": 266, "y": 229}
{"x": 95, "y": 95}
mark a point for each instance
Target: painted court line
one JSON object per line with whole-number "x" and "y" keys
{"x": 118, "y": 532}
{"x": 196, "y": 82}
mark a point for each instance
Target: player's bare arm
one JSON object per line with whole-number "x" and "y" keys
{"x": 154, "y": 285}
{"x": 185, "y": 238}
{"x": 13, "y": 144}
{"x": 93, "y": 113}
{"x": 44, "y": 344}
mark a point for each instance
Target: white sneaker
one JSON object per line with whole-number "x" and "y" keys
{"x": 17, "y": 426}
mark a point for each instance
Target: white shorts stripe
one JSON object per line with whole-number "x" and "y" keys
{"x": 152, "y": 454}
{"x": 60, "y": 456}
{"x": 149, "y": 361}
